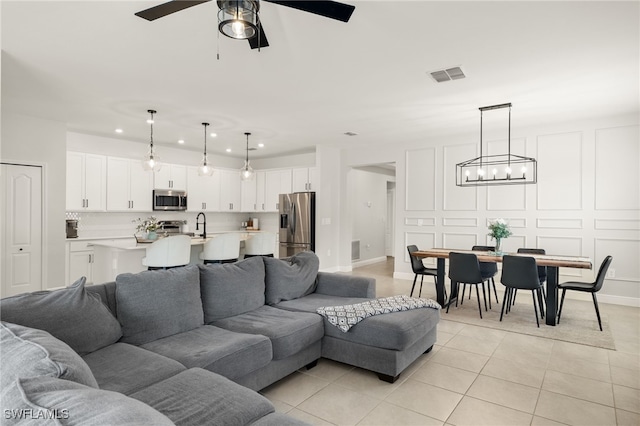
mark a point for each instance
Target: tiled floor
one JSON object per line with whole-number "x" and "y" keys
{"x": 478, "y": 376}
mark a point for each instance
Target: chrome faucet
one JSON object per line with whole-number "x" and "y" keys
{"x": 204, "y": 224}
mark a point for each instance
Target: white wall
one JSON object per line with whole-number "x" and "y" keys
{"x": 368, "y": 197}
{"x": 586, "y": 201}
{"x": 33, "y": 141}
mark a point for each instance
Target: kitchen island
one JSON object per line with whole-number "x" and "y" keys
{"x": 113, "y": 257}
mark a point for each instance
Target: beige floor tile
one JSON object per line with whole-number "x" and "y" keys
{"x": 281, "y": 407}
{"x": 460, "y": 359}
{"x": 573, "y": 351}
{"x": 477, "y": 345}
{"x": 541, "y": 421}
{"x": 425, "y": 399}
{"x": 626, "y": 360}
{"x": 474, "y": 412}
{"x": 484, "y": 333}
{"x": 625, "y": 377}
{"x": 579, "y": 367}
{"x": 294, "y": 388}
{"x": 368, "y": 383}
{"x": 517, "y": 371}
{"x": 627, "y": 398}
{"x": 578, "y": 387}
{"x": 573, "y": 411}
{"x": 449, "y": 326}
{"x": 389, "y": 414}
{"x": 328, "y": 370}
{"x": 627, "y": 418}
{"x": 443, "y": 337}
{"x": 535, "y": 350}
{"x": 508, "y": 394}
{"x": 444, "y": 376}
{"x": 309, "y": 418}
{"x": 339, "y": 405}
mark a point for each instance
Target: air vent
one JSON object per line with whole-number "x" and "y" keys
{"x": 350, "y": 133}
{"x": 441, "y": 76}
{"x": 355, "y": 250}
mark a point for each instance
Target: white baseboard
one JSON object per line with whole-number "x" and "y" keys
{"x": 368, "y": 261}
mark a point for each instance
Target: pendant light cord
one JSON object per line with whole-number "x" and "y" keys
{"x": 151, "y": 141}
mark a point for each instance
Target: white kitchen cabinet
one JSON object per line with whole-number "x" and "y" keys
{"x": 129, "y": 186}
{"x": 86, "y": 182}
{"x": 170, "y": 176}
{"x": 203, "y": 192}
{"x": 260, "y": 191}
{"x": 248, "y": 202}
{"x": 304, "y": 179}
{"x": 80, "y": 259}
{"x": 276, "y": 182}
{"x": 229, "y": 190}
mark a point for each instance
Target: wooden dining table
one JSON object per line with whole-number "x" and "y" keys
{"x": 552, "y": 262}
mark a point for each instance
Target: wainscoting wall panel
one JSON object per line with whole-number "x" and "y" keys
{"x": 424, "y": 240}
{"x": 560, "y": 223}
{"x": 419, "y": 221}
{"x": 570, "y": 246}
{"x": 560, "y": 171}
{"x": 421, "y": 179}
{"x": 619, "y": 224}
{"x": 617, "y": 154}
{"x": 625, "y": 252}
{"x": 460, "y": 221}
{"x": 454, "y": 197}
{"x": 459, "y": 240}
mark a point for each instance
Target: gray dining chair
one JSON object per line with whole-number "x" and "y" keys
{"x": 542, "y": 270}
{"x": 592, "y": 288}
{"x": 419, "y": 269}
{"x": 488, "y": 271}
{"x": 519, "y": 272}
{"x": 464, "y": 268}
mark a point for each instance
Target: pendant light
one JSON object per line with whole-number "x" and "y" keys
{"x": 151, "y": 162}
{"x": 247, "y": 173}
{"x": 238, "y": 18}
{"x": 205, "y": 168}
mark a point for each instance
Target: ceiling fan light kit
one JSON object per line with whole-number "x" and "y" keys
{"x": 501, "y": 169}
{"x": 238, "y": 19}
{"x": 151, "y": 161}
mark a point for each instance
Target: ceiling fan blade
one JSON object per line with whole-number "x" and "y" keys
{"x": 329, "y": 9}
{"x": 260, "y": 39}
{"x": 165, "y": 9}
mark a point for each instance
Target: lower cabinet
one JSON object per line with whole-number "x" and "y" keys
{"x": 80, "y": 259}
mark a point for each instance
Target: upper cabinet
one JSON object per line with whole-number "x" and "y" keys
{"x": 203, "y": 192}
{"x": 129, "y": 186}
{"x": 171, "y": 176}
{"x": 304, "y": 179}
{"x": 248, "y": 192}
{"x": 86, "y": 182}
{"x": 276, "y": 182}
{"x": 229, "y": 190}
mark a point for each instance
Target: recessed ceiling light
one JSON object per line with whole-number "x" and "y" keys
{"x": 228, "y": 149}
{"x": 181, "y": 141}
{"x": 260, "y": 145}
{"x": 350, "y": 133}
{"x": 213, "y": 135}
{"x": 118, "y": 130}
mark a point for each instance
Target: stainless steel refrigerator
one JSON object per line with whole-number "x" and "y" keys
{"x": 297, "y": 223}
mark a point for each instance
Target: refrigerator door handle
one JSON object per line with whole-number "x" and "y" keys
{"x": 294, "y": 219}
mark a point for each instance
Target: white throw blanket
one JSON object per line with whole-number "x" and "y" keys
{"x": 346, "y": 316}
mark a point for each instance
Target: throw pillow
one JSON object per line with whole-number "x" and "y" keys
{"x": 29, "y": 352}
{"x": 290, "y": 278}
{"x": 72, "y": 314}
{"x": 156, "y": 304}
{"x": 37, "y": 400}
{"x": 231, "y": 289}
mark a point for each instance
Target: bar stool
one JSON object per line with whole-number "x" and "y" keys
{"x": 260, "y": 244}
{"x": 168, "y": 252}
{"x": 223, "y": 248}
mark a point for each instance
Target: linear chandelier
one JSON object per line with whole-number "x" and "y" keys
{"x": 501, "y": 169}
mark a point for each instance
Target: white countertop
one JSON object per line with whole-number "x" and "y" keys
{"x": 130, "y": 243}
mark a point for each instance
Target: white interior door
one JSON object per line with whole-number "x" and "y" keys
{"x": 21, "y": 225}
{"x": 389, "y": 236}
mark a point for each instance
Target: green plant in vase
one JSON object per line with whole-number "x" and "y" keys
{"x": 147, "y": 227}
{"x": 499, "y": 229}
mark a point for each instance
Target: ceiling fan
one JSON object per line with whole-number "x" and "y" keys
{"x": 239, "y": 18}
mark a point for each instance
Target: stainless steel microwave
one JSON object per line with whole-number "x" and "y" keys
{"x": 168, "y": 199}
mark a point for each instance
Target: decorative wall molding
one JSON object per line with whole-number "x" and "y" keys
{"x": 460, "y": 221}
{"x": 456, "y": 198}
{"x": 420, "y": 221}
{"x": 560, "y": 171}
{"x": 617, "y": 224}
{"x": 559, "y": 223}
{"x": 625, "y": 252}
{"x": 420, "y": 176}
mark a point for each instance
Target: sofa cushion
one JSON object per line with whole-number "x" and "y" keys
{"x": 69, "y": 403}
{"x": 29, "y": 352}
{"x": 198, "y": 397}
{"x": 232, "y": 288}
{"x": 224, "y": 352}
{"x": 126, "y": 368}
{"x": 289, "y": 332}
{"x": 156, "y": 304}
{"x": 290, "y": 278}
{"x": 396, "y": 331}
{"x": 72, "y": 314}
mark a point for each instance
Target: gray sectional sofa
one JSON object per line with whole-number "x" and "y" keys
{"x": 191, "y": 345}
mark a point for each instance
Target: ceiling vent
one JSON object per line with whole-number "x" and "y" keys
{"x": 350, "y": 134}
{"x": 441, "y": 76}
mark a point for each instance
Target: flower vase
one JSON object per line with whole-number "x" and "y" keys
{"x": 152, "y": 235}
{"x": 498, "y": 246}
